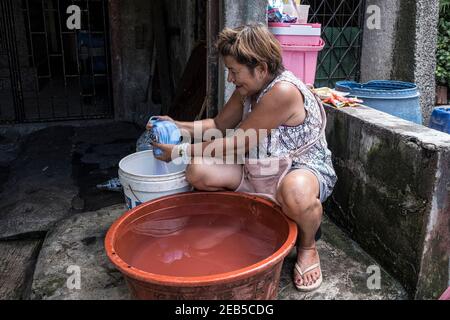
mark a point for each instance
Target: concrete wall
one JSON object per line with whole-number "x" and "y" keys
{"x": 404, "y": 48}
{"x": 132, "y": 52}
{"x": 377, "y": 57}
{"x": 184, "y": 23}
{"x": 131, "y": 62}
{"x": 392, "y": 195}
{"x": 427, "y": 16}
{"x": 234, "y": 14}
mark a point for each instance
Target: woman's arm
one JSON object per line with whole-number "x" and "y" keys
{"x": 279, "y": 105}
{"x": 228, "y": 118}
{"x": 188, "y": 126}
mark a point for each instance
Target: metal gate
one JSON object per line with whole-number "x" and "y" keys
{"x": 10, "y": 97}
{"x": 49, "y": 72}
{"x": 342, "y": 29}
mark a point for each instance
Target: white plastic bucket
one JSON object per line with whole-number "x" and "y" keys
{"x": 143, "y": 180}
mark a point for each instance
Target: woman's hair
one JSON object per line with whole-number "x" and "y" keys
{"x": 251, "y": 45}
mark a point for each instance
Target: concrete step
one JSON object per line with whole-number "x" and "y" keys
{"x": 17, "y": 261}
{"x": 348, "y": 272}
{"x": 76, "y": 244}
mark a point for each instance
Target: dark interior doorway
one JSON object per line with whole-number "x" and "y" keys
{"x": 48, "y": 71}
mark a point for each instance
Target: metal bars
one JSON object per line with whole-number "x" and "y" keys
{"x": 57, "y": 73}
{"x": 342, "y": 29}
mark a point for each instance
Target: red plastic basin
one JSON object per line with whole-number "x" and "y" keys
{"x": 258, "y": 280}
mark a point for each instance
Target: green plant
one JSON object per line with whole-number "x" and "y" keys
{"x": 443, "y": 45}
{"x": 444, "y": 6}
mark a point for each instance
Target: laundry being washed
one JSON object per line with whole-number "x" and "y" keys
{"x": 163, "y": 131}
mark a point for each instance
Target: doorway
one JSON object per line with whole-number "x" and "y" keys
{"x": 49, "y": 72}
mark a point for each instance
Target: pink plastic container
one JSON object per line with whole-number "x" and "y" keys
{"x": 298, "y": 40}
{"x": 297, "y": 34}
{"x": 301, "y": 44}
{"x": 302, "y": 60}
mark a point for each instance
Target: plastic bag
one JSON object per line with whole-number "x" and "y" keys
{"x": 276, "y": 4}
{"x": 143, "y": 143}
{"x": 275, "y": 13}
{"x": 111, "y": 185}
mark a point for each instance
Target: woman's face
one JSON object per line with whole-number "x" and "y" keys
{"x": 246, "y": 82}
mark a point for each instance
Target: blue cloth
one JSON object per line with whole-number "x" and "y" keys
{"x": 165, "y": 132}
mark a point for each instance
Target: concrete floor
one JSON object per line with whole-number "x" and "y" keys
{"x": 53, "y": 219}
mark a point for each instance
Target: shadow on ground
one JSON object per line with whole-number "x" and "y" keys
{"x": 47, "y": 176}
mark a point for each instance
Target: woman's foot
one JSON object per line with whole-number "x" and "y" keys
{"x": 307, "y": 272}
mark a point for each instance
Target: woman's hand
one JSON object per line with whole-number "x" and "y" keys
{"x": 163, "y": 118}
{"x": 166, "y": 149}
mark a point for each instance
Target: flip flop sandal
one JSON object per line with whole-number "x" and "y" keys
{"x": 315, "y": 285}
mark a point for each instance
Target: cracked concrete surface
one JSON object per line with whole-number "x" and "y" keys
{"x": 55, "y": 197}
{"x": 78, "y": 241}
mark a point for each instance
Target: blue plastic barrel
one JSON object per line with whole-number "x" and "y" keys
{"x": 440, "y": 119}
{"x": 398, "y": 98}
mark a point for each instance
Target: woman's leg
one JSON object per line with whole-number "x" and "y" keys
{"x": 214, "y": 177}
{"x": 298, "y": 195}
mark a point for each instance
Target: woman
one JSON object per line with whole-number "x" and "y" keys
{"x": 267, "y": 98}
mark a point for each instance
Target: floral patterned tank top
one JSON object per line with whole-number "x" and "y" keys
{"x": 285, "y": 139}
